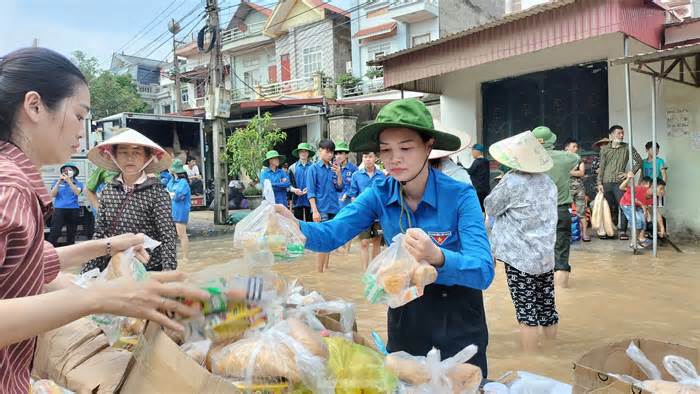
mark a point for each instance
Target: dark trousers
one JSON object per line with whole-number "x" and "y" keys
{"x": 562, "y": 245}
{"x": 67, "y": 217}
{"x": 303, "y": 214}
{"x": 482, "y": 196}
{"x": 448, "y": 318}
{"x": 613, "y": 194}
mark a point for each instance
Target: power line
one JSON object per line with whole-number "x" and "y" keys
{"x": 157, "y": 39}
{"x": 143, "y": 31}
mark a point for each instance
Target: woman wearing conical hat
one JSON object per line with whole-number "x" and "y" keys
{"x": 135, "y": 201}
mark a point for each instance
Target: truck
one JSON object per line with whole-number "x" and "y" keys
{"x": 181, "y": 136}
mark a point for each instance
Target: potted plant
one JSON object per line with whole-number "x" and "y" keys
{"x": 245, "y": 152}
{"x": 374, "y": 72}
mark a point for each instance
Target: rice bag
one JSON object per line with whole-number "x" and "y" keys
{"x": 266, "y": 230}
{"x": 425, "y": 375}
{"x": 395, "y": 278}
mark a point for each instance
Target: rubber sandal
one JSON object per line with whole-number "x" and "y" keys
{"x": 585, "y": 239}
{"x": 624, "y": 237}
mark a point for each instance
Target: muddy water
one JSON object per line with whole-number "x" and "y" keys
{"x": 614, "y": 295}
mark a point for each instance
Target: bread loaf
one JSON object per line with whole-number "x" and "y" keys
{"x": 408, "y": 370}
{"x": 465, "y": 378}
{"x": 308, "y": 338}
{"x": 273, "y": 360}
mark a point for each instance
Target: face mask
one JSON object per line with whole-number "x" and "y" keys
{"x": 69, "y": 173}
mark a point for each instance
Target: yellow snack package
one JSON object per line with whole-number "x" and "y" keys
{"x": 358, "y": 369}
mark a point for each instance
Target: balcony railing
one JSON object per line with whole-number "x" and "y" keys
{"x": 399, "y": 3}
{"x": 363, "y": 87}
{"x": 287, "y": 87}
{"x": 235, "y": 34}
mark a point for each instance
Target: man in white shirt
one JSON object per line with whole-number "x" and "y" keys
{"x": 192, "y": 170}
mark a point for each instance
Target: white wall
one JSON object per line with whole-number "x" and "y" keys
{"x": 427, "y": 26}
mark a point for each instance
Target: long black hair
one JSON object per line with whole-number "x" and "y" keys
{"x": 41, "y": 70}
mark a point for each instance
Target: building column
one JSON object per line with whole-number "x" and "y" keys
{"x": 342, "y": 127}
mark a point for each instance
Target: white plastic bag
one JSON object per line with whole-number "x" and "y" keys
{"x": 265, "y": 230}
{"x": 639, "y": 358}
{"x": 395, "y": 278}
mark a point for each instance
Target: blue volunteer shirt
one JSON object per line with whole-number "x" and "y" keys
{"x": 322, "y": 185}
{"x": 361, "y": 181}
{"x": 181, "y": 194}
{"x": 449, "y": 213}
{"x": 300, "y": 171}
{"x": 280, "y": 183}
{"x": 347, "y": 171}
{"x": 66, "y": 199}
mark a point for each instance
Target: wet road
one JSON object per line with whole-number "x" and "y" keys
{"x": 614, "y": 295}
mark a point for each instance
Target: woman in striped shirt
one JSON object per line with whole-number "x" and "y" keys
{"x": 44, "y": 100}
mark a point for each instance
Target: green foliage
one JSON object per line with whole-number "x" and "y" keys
{"x": 246, "y": 147}
{"x": 374, "y": 72}
{"x": 347, "y": 81}
{"x": 109, "y": 93}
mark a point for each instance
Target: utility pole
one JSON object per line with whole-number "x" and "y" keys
{"x": 219, "y": 136}
{"x": 175, "y": 28}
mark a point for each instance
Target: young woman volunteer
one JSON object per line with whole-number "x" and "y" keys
{"x": 450, "y": 315}
{"x": 181, "y": 195}
{"x": 44, "y": 100}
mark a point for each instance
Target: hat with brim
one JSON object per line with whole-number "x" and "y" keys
{"x": 178, "y": 167}
{"x": 405, "y": 113}
{"x": 101, "y": 155}
{"x": 601, "y": 142}
{"x": 465, "y": 139}
{"x": 303, "y": 146}
{"x": 545, "y": 134}
{"x": 271, "y": 155}
{"x": 522, "y": 152}
{"x": 76, "y": 170}
{"x": 341, "y": 147}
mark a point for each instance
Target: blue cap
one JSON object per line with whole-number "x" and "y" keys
{"x": 479, "y": 147}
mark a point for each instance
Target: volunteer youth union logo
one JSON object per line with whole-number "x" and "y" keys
{"x": 440, "y": 237}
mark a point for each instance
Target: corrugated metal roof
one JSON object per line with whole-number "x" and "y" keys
{"x": 664, "y": 54}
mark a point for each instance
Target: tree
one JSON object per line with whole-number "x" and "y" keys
{"x": 246, "y": 147}
{"x": 109, "y": 93}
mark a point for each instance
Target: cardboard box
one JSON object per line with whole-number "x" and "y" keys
{"x": 592, "y": 369}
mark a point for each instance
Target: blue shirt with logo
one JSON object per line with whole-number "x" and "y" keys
{"x": 66, "y": 199}
{"x": 181, "y": 194}
{"x": 322, "y": 184}
{"x": 280, "y": 183}
{"x": 347, "y": 171}
{"x": 361, "y": 181}
{"x": 299, "y": 174}
{"x": 449, "y": 213}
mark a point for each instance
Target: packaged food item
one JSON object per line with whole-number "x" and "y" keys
{"x": 358, "y": 369}
{"x": 231, "y": 324}
{"x": 266, "y": 230}
{"x": 427, "y": 374}
{"x": 395, "y": 278}
{"x": 197, "y": 350}
{"x": 46, "y": 386}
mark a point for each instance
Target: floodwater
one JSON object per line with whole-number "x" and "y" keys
{"x": 614, "y": 295}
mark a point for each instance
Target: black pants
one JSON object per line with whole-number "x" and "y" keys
{"x": 448, "y": 318}
{"x": 613, "y": 194}
{"x": 303, "y": 214}
{"x": 562, "y": 245}
{"x": 482, "y": 196}
{"x": 64, "y": 217}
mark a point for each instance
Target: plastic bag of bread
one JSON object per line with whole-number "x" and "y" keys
{"x": 266, "y": 230}
{"x": 395, "y": 278}
{"x": 197, "y": 350}
{"x": 286, "y": 351}
{"x": 358, "y": 369}
{"x": 45, "y": 386}
{"x": 427, "y": 374}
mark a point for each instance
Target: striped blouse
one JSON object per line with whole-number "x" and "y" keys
{"x": 27, "y": 262}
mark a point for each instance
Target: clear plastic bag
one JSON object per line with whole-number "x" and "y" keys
{"x": 197, "y": 350}
{"x": 46, "y": 386}
{"x": 358, "y": 369}
{"x": 266, "y": 230}
{"x": 395, "y": 278}
{"x": 271, "y": 356}
{"x": 682, "y": 370}
{"x": 639, "y": 358}
{"x": 427, "y": 374}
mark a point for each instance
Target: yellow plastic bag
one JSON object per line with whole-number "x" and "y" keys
{"x": 358, "y": 369}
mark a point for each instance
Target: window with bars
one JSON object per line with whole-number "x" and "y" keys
{"x": 311, "y": 60}
{"x": 184, "y": 95}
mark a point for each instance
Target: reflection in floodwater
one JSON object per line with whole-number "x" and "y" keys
{"x": 614, "y": 295}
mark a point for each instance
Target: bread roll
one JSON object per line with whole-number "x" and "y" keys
{"x": 114, "y": 268}
{"x": 273, "y": 360}
{"x": 408, "y": 370}
{"x": 465, "y": 378}
{"x": 423, "y": 275}
{"x": 308, "y": 338}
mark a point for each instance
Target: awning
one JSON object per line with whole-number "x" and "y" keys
{"x": 375, "y": 32}
{"x": 679, "y": 64}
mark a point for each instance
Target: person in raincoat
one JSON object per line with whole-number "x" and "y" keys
{"x": 180, "y": 193}
{"x": 276, "y": 175}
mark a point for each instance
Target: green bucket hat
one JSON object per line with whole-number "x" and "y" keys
{"x": 271, "y": 154}
{"x": 545, "y": 134}
{"x": 408, "y": 113}
{"x": 341, "y": 147}
{"x": 75, "y": 168}
{"x": 304, "y": 146}
{"x": 177, "y": 167}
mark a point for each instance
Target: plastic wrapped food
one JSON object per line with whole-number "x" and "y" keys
{"x": 224, "y": 326}
{"x": 197, "y": 350}
{"x": 395, "y": 278}
{"x": 266, "y": 230}
{"x": 358, "y": 369}
{"x": 423, "y": 375}
{"x": 271, "y": 355}
{"x": 45, "y": 386}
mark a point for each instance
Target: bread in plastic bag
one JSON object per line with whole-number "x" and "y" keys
{"x": 197, "y": 350}
{"x": 46, "y": 386}
{"x": 270, "y": 355}
{"x": 427, "y": 374}
{"x": 266, "y": 230}
{"x": 357, "y": 369}
{"x": 395, "y": 278}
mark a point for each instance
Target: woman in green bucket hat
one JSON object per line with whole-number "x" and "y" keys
{"x": 277, "y": 176}
{"x": 443, "y": 226}
{"x": 65, "y": 192}
{"x": 181, "y": 195}
{"x": 297, "y": 178}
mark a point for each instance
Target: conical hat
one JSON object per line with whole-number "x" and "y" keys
{"x": 101, "y": 155}
{"x": 465, "y": 140}
{"x": 522, "y": 152}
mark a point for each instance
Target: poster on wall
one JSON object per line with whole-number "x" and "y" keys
{"x": 677, "y": 122}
